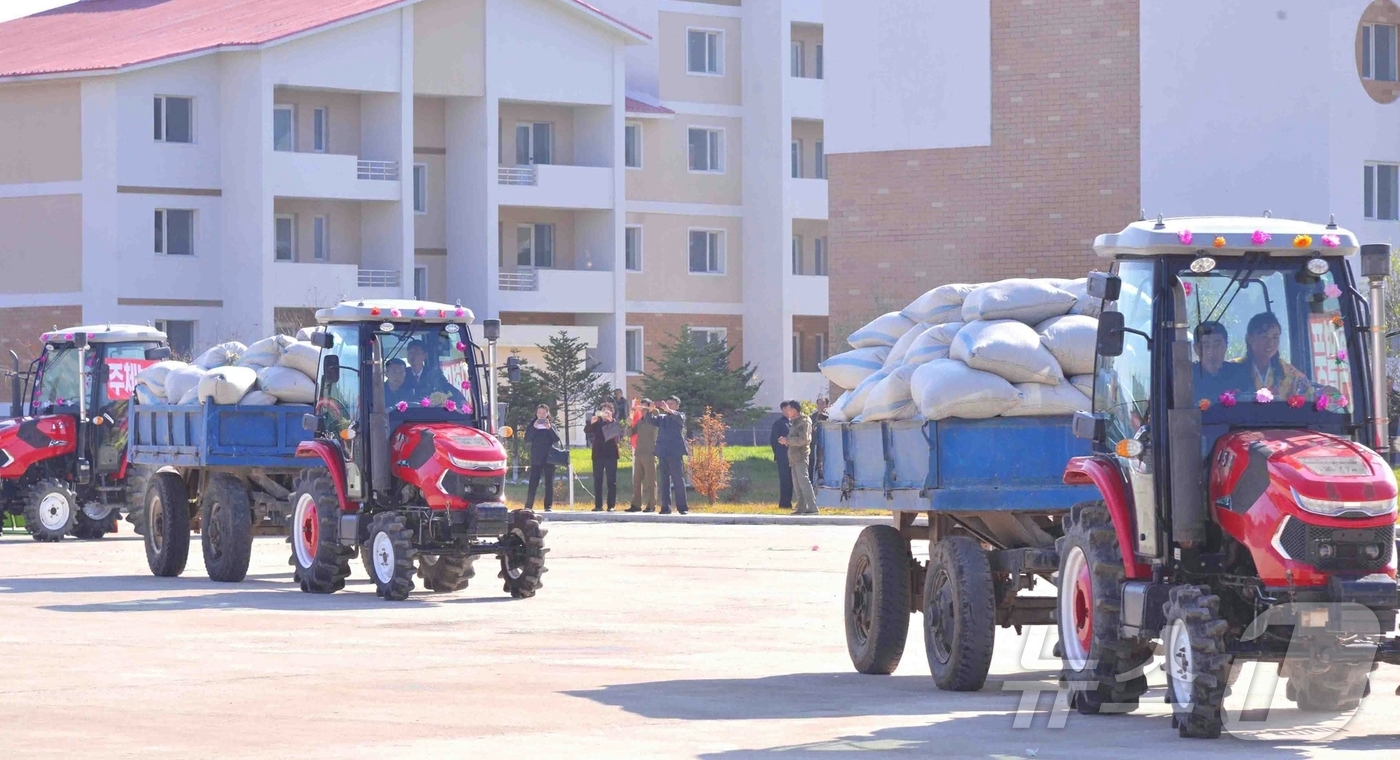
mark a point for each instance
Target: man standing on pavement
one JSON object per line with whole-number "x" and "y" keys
{"x": 643, "y": 458}
{"x": 799, "y": 443}
{"x": 670, "y": 454}
{"x": 780, "y": 457}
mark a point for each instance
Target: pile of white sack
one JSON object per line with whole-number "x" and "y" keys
{"x": 279, "y": 369}
{"x": 1013, "y": 348}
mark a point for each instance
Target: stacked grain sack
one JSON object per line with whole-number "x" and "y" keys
{"x": 279, "y": 369}
{"x": 1012, "y": 348}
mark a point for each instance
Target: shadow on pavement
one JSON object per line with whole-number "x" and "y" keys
{"x": 290, "y": 599}
{"x": 130, "y": 583}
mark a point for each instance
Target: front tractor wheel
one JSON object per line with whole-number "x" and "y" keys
{"x": 391, "y": 556}
{"x": 445, "y": 573}
{"x": 1102, "y": 670}
{"x": 50, "y": 510}
{"x": 322, "y": 562}
{"x": 1197, "y": 665}
{"x": 522, "y": 563}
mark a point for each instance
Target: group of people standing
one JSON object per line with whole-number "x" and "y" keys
{"x": 794, "y": 453}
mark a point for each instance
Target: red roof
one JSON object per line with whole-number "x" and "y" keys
{"x": 637, "y": 106}
{"x": 102, "y": 35}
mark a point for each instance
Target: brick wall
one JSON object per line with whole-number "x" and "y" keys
{"x": 1063, "y": 166}
{"x": 20, "y": 328}
{"x": 657, "y": 330}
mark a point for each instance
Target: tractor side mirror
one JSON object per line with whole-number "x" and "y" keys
{"x": 158, "y": 354}
{"x": 1089, "y": 426}
{"x": 310, "y": 422}
{"x": 321, "y": 339}
{"x": 1104, "y": 286}
{"x": 330, "y": 369}
{"x": 1110, "y": 337}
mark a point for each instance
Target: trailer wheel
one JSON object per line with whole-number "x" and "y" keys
{"x": 1197, "y": 663}
{"x": 50, "y": 509}
{"x": 138, "y": 479}
{"x": 227, "y": 536}
{"x": 522, "y": 564}
{"x": 445, "y": 573}
{"x": 959, "y": 614}
{"x": 167, "y": 514}
{"x": 877, "y": 600}
{"x": 1103, "y": 671}
{"x": 391, "y": 556}
{"x": 322, "y": 563}
{"x": 93, "y": 522}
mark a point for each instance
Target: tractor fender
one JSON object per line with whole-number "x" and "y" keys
{"x": 330, "y": 456}
{"x": 1103, "y": 474}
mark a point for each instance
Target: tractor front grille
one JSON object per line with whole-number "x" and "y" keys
{"x": 1346, "y": 547}
{"x": 474, "y": 488}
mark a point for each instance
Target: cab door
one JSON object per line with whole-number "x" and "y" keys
{"x": 339, "y": 400}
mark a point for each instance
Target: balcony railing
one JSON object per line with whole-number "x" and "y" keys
{"x": 517, "y": 175}
{"x": 525, "y": 279}
{"x": 385, "y": 170}
{"x": 380, "y": 278}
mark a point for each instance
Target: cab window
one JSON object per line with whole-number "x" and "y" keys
{"x": 339, "y": 402}
{"x": 1123, "y": 384}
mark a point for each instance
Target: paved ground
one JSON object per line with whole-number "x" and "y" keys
{"x": 648, "y": 641}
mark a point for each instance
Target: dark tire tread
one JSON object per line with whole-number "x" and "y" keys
{"x": 887, "y": 554}
{"x": 330, "y": 565}
{"x": 395, "y": 526}
{"x": 227, "y": 536}
{"x": 446, "y": 573}
{"x": 35, "y": 497}
{"x": 527, "y": 538}
{"x": 168, "y": 561}
{"x": 1204, "y": 717}
{"x": 974, "y": 615}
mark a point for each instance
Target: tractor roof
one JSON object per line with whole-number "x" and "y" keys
{"x": 106, "y": 334}
{"x": 395, "y": 310}
{"x": 1227, "y": 236}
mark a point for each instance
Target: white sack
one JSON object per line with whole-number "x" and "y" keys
{"x": 947, "y": 388}
{"x": 265, "y": 353}
{"x": 1048, "y": 400}
{"x": 1084, "y": 303}
{"x": 191, "y": 397}
{"x": 849, "y": 369}
{"x": 180, "y": 381}
{"x": 884, "y": 330}
{"x": 1007, "y": 348}
{"x": 146, "y": 395}
{"x": 227, "y": 385}
{"x": 938, "y": 302}
{"x": 287, "y": 385}
{"x": 1072, "y": 340}
{"x": 305, "y": 333}
{"x": 1085, "y": 384}
{"x": 1030, "y": 301}
{"x": 901, "y": 347}
{"x": 837, "y": 411}
{"x": 153, "y": 377}
{"x": 890, "y": 399}
{"x": 258, "y": 398}
{"x": 302, "y": 357}
{"x": 221, "y": 355}
{"x": 932, "y": 343}
{"x": 854, "y": 401}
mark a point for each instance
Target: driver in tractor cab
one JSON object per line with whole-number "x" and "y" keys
{"x": 425, "y": 381}
{"x": 1214, "y": 375}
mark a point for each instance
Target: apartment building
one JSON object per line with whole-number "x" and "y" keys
{"x": 983, "y": 139}
{"x": 222, "y": 169}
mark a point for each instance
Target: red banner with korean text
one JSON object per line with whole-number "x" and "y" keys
{"x": 1327, "y": 340}
{"x": 121, "y": 377}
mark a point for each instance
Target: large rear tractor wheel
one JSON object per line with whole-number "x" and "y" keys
{"x": 94, "y": 521}
{"x": 522, "y": 564}
{"x": 959, "y": 614}
{"x": 138, "y": 479}
{"x": 1335, "y": 689}
{"x": 391, "y": 556}
{"x": 445, "y": 573}
{"x": 1103, "y": 671}
{"x": 322, "y": 563}
{"x": 167, "y": 514}
{"x": 50, "y": 510}
{"x": 1198, "y": 664}
{"x": 877, "y": 600}
{"x": 227, "y": 520}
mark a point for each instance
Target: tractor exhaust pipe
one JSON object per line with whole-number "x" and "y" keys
{"x": 16, "y": 389}
{"x": 1375, "y": 267}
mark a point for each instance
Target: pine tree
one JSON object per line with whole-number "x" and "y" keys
{"x": 568, "y": 380}
{"x": 521, "y": 399}
{"x": 699, "y": 375}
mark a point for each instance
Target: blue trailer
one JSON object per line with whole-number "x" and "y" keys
{"x": 227, "y": 470}
{"x": 993, "y": 493}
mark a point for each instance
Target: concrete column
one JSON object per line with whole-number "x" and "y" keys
{"x": 245, "y": 129}
{"x": 101, "y": 276}
{"x": 407, "y": 221}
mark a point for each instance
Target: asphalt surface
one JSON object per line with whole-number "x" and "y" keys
{"x": 648, "y": 640}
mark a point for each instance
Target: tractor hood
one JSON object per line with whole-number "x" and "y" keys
{"x": 1314, "y": 465}
{"x": 452, "y": 464}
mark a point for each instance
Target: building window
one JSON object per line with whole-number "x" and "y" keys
{"x": 285, "y": 237}
{"x": 704, "y": 336}
{"x": 174, "y": 119}
{"x": 632, "y": 152}
{"x": 797, "y": 254}
{"x": 634, "y": 355}
{"x": 632, "y": 248}
{"x": 420, "y": 188}
{"x": 820, "y": 73}
{"x": 1378, "y": 55}
{"x": 320, "y": 130}
{"x": 819, "y": 257}
{"x": 796, "y": 159}
{"x": 704, "y": 48}
{"x": 284, "y": 128}
{"x": 534, "y": 245}
{"x": 706, "y": 252}
{"x": 819, "y": 348}
{"x": 798, "y": 69}
{"x": 420, "y": 283}
{"x": 706, "y": 150}
{"x": 180, "y": 334}
{"x": 1382, "y": 191}
{"x": 797, "y": 352}
{"x": 174, "y": 232}
{"x": 534, "y": 144}
{"x": 819, "y": 159}
{"x": 321, "y": 238}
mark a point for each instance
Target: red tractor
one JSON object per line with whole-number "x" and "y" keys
{"x": 414, "y": 475}
{"x": 63, "y": 452}
{"x": 1245, "y": 514}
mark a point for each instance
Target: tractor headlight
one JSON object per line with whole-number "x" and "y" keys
{"x": 1337, "y": 508}
{"x": 492, "y": 465}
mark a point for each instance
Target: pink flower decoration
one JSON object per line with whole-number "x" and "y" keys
{"x": 466, "y": 408}
{"x": 1297, "y": 402}
{"x": 1332, "y": 291}
{"x": 1341, "y": 354}
{"x": 1260, "y": 237}
{"x": 1263, "y": 396}
{"x": 461, "y": 346}
{"x": 422, "y": 312}
{"x": 1321, "y": 404}
{"x": 461, "y": 312}
{"x": 1342, "y": 402}
{"x": 451, "y": 405}
{"x": 442, "y": 312}
{"x": 395, "y": 313}
{"x": 1227, "y": 399}
{"x": 425, "y": 402}
{"x": 1187, "y": 287}
{"x": 466, "y": 385}
{"x": 1184, "y": 236}
{"x": 68, "y": 336}
{"x": 59, "y": 402}
{"x": 1331, "y": 241}
{"x": 402, "y": 406}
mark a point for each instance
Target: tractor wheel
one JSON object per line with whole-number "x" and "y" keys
{"x": 1337, "y": 689}
{"x": 167, "y": 515}
{"x": 391, "y": 556}
{"x": 50, "y": 510}
{"x": 1197, "y": 663}
{"x": 959, "y": 614}
{"x": 367, "y": 561}
{"x": 445, "y": 573}
{"x": 1102, "y": 670}
{"x": 227, "y": 535}
{"x": 522, "y": 564}
{"x": 322, "y": 563}
{"x": 138, "y": 479}
{"x": 93, "y": 522}
{"x": 877, "y": 600}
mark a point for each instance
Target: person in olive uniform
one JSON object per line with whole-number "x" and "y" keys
{"x": 799, "y": 443}
{"x": 643, "y": 458}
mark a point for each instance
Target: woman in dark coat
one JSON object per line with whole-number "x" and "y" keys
{"x": 541, "y": 437}
{"x": 603, "y": 436}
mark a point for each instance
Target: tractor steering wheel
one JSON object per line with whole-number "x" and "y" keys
{"x": 331, "y": 408}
